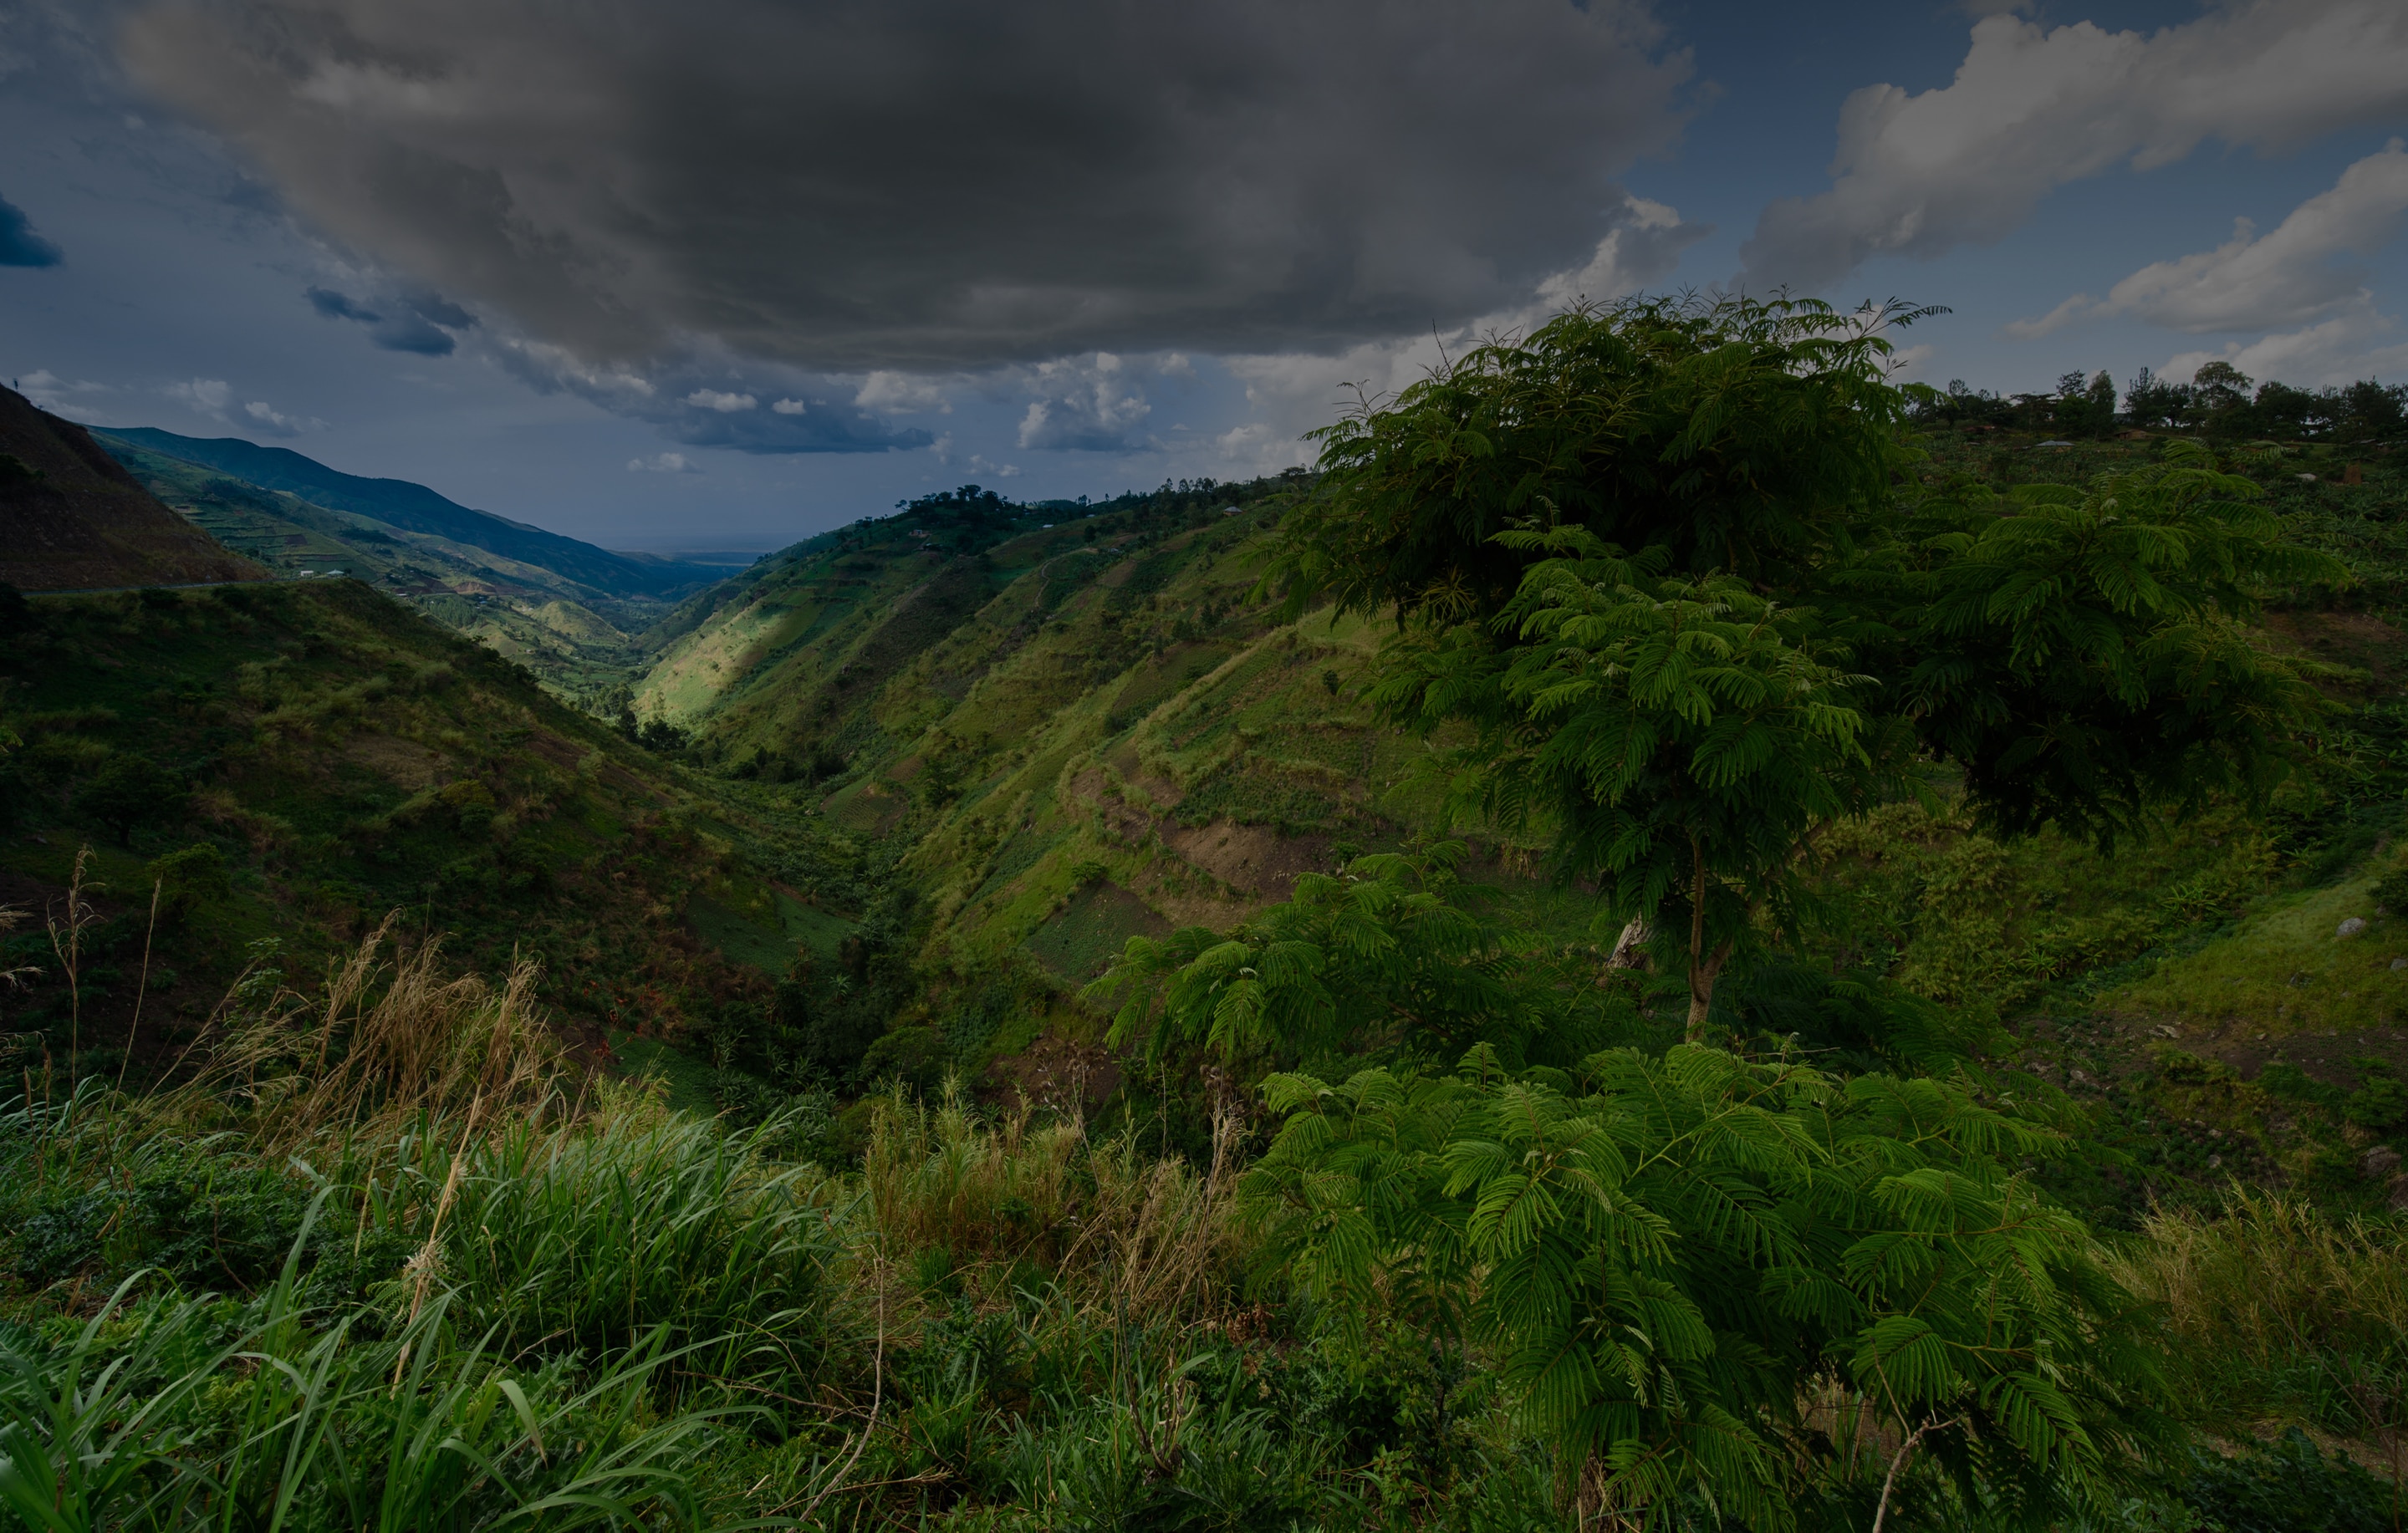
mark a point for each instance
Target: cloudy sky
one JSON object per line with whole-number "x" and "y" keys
{"x": 718, "y": 274}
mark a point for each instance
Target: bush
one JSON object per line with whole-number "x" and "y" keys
{"x": 915, "y": 1057}
{"x": 130, "y": 792}
{"x": 2285, "y": 1486}
{"x": 189, "y": 879}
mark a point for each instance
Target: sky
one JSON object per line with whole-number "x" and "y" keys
{"x": 717, "y": 275}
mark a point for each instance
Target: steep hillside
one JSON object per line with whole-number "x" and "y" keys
{"x": 70, "y": 518}
{"x": 414, "y": 508}
{"x": 291, "y": 764}
{"x": 1064, "y": 740}
{"x": 575, "y": 636}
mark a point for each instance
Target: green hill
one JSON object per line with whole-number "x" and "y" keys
{"x": 863, "y": 823}
{"x": 1065, "y": 736}
{"x": 300, "y": 760}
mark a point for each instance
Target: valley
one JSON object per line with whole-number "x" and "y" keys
{"x": 976, "y": 912}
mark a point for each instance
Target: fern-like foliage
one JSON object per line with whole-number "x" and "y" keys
{"x": 2083, "y": 652}
{"x": 1395, "y": 950}
{"x": 1667, "y": 1257}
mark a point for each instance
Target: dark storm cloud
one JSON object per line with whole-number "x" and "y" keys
{"x": 419, "y": 324}
{"x": 938, "y": 185}
{"x": 20, "y": 245}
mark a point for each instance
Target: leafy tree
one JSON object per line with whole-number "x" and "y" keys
{"x": 2080, "y": 653}
{"x": 129, "y": 791}
{"x": 2368, "y": 411}
{"x": 1658, "y": 556}
{"x": 2085, "y": 409}
{"x": 2220, "y": 398}
{"x": 2152, "y": 402}
{"x": 1695, "y": 732}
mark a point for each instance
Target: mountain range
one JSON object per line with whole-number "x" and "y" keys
{"x": 414, "y": 508}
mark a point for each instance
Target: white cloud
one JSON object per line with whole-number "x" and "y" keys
{"x": 2288, "y": 277}
{"x": 2030, "y": 110}
{"x": 942, "y": 450}
{"x": 1645, "y": 247}
{"x": 666, "y": 463}
{"x": 901, "y": 393}
{"x": 49, "y": 391}
{"x": 272, "y": 421}
{"x": 2075, "y": 308}
{"x": 727, "y": 404}
{"x": 2341, "y": 350}
{"x": 788, "y": 407}
{"x": 1095, "y": 402}
{"x": 987, "y": 465}
{"x": 203, "y": 395}
{"x": 1908, "y": 363}
{"x": 1292, "y": 393}
{"x": 549, "y": 366}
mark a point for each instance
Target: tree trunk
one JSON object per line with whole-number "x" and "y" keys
{"x": 1704, "y": 970}
{"x": 1703, "y": 966}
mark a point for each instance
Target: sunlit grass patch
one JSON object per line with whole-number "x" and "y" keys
{"x": 2284, "y": 969}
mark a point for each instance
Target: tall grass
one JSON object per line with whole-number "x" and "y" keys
{"x": 206, "y": 1414}
{"x": 377, "y": 1046}
{"x": 591, "y": 1236}
{"x": 1126, "y": 1233}
{"x": 2283, "y": 1315}
{"x": 504, "y": 1295}
{"x": 513, "y": 1296}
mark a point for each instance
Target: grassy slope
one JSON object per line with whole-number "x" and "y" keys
{"x": 350, "y": 759}
{"x": 1112, "y": 740}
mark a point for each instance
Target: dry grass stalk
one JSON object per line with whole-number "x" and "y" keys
{"x": 67, "y": 941}
{"x": 422, "y": 1044}
{"x": 12, "y": 917}
{"x": 2282, "y": 1313}
{"x": 1169, "y": 1234}
{"x": 2274, "y": 1278}
{"x": 142, "y": 991}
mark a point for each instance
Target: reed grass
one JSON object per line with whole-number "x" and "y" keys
{"x": 377, "y": 1046}
{"x": 2281, "y": 1315}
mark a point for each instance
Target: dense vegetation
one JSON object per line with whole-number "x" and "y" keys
{"x": 1676, "y": 937}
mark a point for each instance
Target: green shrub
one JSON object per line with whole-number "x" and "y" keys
{"x": 916, "y": 1057}
{"x": 190, "y": 878}
{"x": 130, "y": 792}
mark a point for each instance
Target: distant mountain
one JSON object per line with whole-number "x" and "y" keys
{"x": 414, "y": 508}
{"x": 71, "y": 517}
{"x": 574, "y": 636}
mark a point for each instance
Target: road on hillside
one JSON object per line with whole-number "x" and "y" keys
{"x": 188, "y": 585}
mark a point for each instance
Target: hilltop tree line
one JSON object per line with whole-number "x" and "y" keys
{"x": 2219, "y": 403}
